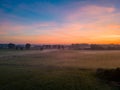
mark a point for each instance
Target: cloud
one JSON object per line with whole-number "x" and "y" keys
{"x": 114, "y": 26}
{"x": 9, "y": 27}
{"x": 83, "y": 24}
{"x": 2, "y": 32}
{"x": 67, "y": 32}
{"x": 90, "y": 11}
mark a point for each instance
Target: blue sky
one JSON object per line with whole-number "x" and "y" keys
{"x": 60, "y": 21}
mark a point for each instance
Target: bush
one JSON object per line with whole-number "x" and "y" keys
{"x": 110, "y": 75}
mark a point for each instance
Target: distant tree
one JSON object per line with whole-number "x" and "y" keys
{"x": 62, "y": 46}
{"x": 19, "y": 47}
{"x": 41, "y": 48}
{"x": 11, "y": 46}
{"x": 96, "y": 47}
{"x": 27, "y": 46}
{"x": 58, "y": 46}
{"x": 16, "y": 47}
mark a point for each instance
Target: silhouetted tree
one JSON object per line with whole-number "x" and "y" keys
{"x": 62, "y": 46}
{"x": 11, "y": 46}
{"x": 96, "y": 47}
{"x": 27, "y": 46}
{"x": 41, "y": 48}
{"x": 16, "y": 47}
{"x": 19, "y": 47}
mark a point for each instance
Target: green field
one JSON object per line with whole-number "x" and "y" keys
{"x": 55, "y": 69}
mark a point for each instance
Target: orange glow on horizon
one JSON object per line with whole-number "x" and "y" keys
{"x": 86, "y": 24}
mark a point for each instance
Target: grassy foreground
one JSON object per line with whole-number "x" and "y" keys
{"x": 55, "y": 70}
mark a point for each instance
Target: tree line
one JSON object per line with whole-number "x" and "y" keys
{"x": 17, "y": 47}
{"x": 38, "y": 47}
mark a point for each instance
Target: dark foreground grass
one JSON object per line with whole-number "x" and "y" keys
{"x": 22, "y": 78}
{"x": 57, "y": 70}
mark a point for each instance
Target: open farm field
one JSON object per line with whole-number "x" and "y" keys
{"x": 55, "y": 69}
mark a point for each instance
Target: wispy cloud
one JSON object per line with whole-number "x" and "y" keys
{"x": 90, "y": 11}
{"x": 89, "y": 23}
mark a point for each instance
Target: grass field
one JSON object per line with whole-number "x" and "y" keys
{"x": 55, "y": 69}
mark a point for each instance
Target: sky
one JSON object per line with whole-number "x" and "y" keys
{"x": 60, "y": 21}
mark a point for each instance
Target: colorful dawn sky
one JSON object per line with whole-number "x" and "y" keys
{"x": 60, "y": 21}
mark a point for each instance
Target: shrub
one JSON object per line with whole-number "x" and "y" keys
{"x": 110, "y": 75}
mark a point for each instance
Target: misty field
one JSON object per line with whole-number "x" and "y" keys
{"x": 55, "y": 69}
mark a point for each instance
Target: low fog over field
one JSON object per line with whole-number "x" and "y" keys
{"x": 63, "y": 58}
